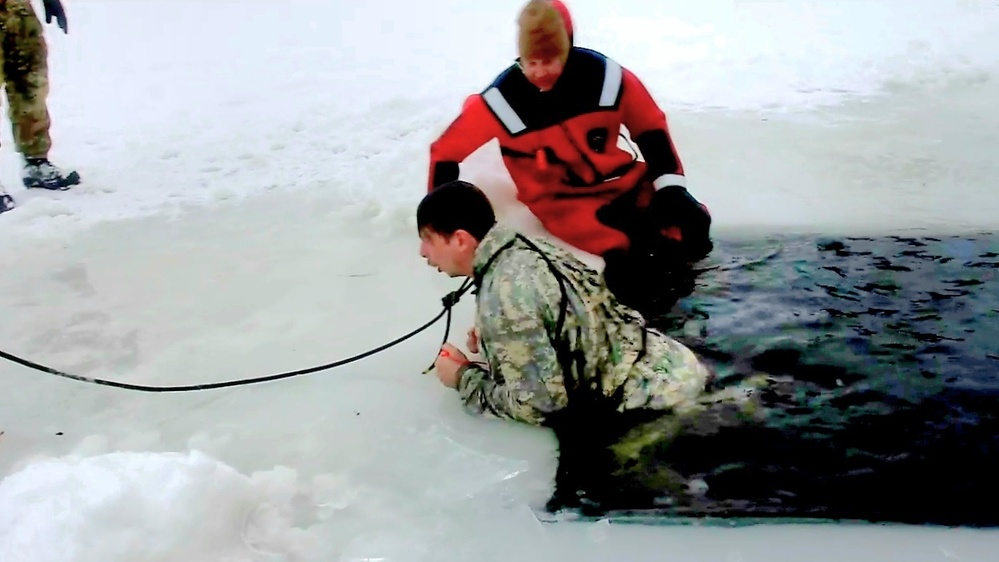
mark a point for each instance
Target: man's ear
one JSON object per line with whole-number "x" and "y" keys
{"x": 465, "y": 238}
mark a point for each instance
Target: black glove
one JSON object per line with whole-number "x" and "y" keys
{"x": 674, "y": 206}
{"x": 53, "y": 9}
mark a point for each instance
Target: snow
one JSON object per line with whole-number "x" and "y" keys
{"x": 250, "y": 174}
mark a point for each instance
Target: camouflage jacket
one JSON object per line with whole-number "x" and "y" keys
{"x": 520, "y": 305}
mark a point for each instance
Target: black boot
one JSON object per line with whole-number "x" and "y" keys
{"x": 40, "y": 173}
{"x": 6, "y": 202}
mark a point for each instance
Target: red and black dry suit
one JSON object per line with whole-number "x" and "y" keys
{"x": 560, "y": 148}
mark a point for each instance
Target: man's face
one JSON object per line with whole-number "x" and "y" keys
{"x": 449, "y": 254}
{"x": 542, "y": 72}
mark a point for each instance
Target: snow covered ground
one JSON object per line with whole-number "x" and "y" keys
{"x": 250, "y": 172}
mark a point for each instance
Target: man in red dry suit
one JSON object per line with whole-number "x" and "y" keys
{"x": 557, "y": 113}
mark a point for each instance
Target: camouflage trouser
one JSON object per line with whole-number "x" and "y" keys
{"x": 635, "y": 454}
{"x": 24, "y": 54}
{"x": 792, "y": 450}
{"x": 607, "y": 454}
{"x": 637, "y": 459}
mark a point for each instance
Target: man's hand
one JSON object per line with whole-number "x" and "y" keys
{"x": 678, "y": 216}
{"x": 448, "y": 363}
{"x": 53, "y": 9}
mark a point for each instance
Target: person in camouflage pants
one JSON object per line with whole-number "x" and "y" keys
{"x": 552, "y": 333}
{"x": 23, "y": 54}
{"x": 562, "y": 352}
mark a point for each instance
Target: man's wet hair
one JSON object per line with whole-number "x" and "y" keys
{"x": 453, "y": 206}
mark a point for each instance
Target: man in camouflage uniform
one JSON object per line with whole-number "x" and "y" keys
{"x": 551, "y": 332}
{"x": 23, "y": 53}
{"x": 561, "y": 352}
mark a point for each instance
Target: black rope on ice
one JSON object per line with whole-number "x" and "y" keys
{"x": 449, "y": 301}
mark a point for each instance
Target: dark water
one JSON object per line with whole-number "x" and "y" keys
{"x": 877, "y": 363}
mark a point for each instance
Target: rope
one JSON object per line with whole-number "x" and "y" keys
{"x": 449, "y": 301}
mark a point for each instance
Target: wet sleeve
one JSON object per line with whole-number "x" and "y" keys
{"x": 523, "y": 381}
{"x": 474, "y": 127}
{"x": 647, "y": 123}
